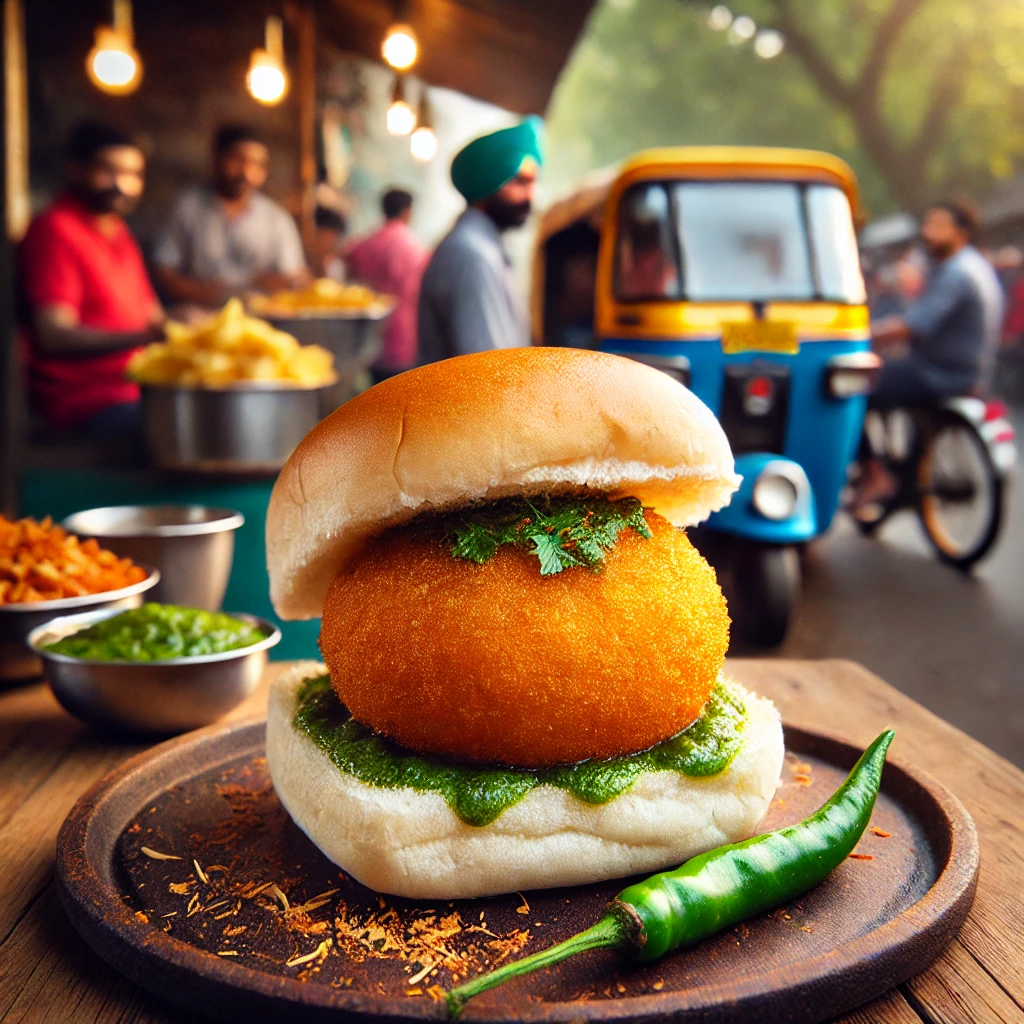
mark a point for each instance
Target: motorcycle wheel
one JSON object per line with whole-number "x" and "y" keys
{"x": 765, "y": 586}
{"x": 960, "y": 494}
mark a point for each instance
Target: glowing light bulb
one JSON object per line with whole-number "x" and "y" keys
{"x": 719, "y": 18}
{"x": 267, "y": 83}
{"x": 400, "y": 48}
{"x": 267, "y": 79}
{"x": 401, "y": 118}
{"x": 742, "y": 29}
{"x": 423, "y": 144}
{"x": 113, "y": 65}
{"x": 768, "y": 43}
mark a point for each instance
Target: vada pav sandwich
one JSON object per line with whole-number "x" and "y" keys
{"x": 523, "y": 683}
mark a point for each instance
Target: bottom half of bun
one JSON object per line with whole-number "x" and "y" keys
{"x": 411, "y": 843}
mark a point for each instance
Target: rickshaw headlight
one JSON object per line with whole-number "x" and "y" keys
{"x": 775, "y": 496}
{"x": 852, "y": 374}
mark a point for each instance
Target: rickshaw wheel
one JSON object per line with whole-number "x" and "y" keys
{"x": 764, "y": 586}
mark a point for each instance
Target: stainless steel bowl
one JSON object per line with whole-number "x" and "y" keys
{"x": 353, "y": 337}
{"x": 247, "y": 428}
{"x": 150, "y": 696}
{"x": 17, "y": 621}
{"x": 193, "y": 546}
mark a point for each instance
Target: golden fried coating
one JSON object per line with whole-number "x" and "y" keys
{"x": 496, "y": 663}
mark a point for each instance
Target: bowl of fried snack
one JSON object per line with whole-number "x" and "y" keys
{"x": 323, "y": 298}
{"x": 345, "y": 319}
{"x": 231, "y": 394}
{"x": 45, "y": 572}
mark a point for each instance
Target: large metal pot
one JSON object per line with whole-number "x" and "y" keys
{"x": 193, "y": 546}
{"x": 250, "y": 427}
{"x": 353, "y": 337}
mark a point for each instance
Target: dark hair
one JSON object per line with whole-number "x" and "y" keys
{"x": 964, "y": 212}
{"x": 230, "y": 135}
{"x": 395, "y": 202}
{"x": 325, "y": 217}
{"x": 87, "y": 138}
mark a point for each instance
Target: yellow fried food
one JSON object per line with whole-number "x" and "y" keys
{"x": 321, "y": 294}
{"x": 496, "y": 663}
{"x": 230, "y": 348}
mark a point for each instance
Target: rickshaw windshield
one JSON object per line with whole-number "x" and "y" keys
{"x": 748, "y": 241}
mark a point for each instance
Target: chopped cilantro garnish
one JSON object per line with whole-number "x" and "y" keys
{"x": 562, "y": 531}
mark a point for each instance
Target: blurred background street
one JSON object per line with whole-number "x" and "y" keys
{"x": 950, "y": 641}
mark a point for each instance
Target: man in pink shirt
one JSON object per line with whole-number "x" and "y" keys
{"x": 392, "y": 261}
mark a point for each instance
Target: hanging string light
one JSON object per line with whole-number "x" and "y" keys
{"x": 767, "y": 42}
{"x": 113, "y": 64}
{"x": 267, "y": 79}
{"x": 401, "y": 117}
{"x": 400, "y": 48}
{"x": 719, "y": 18}
{"x": 423, "y": 143}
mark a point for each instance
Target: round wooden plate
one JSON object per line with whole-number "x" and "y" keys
{"x": 184, "y": 872}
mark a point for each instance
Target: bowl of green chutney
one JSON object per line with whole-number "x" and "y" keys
{"x": 157, "y": 669}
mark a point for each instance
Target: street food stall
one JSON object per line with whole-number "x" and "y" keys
{"x": 216, "y": 437}
{"x": 524, "y": 703}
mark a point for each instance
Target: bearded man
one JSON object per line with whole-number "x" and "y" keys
{"x": 87, "y": 300}
{"x": 467, "y": 299}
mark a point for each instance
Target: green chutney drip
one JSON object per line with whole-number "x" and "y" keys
{"x": 479, "y": 794}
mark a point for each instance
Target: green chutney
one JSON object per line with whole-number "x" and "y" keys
{"x": 479, "y": 794}
{"x": 158, "y": 632}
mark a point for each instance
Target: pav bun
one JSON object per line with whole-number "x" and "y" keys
{"x": 496, "y": 663}
{"x": 410, "y": 843}
{"x": 480, "y": 427}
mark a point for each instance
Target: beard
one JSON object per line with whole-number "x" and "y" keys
{"x": 938, "y": 251}
{"x": 505, "y": 214}
{"x": 232, "y": 188}
{"x": 108, "y": 200}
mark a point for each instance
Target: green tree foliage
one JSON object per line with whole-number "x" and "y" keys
{"x": 920, "y": 96}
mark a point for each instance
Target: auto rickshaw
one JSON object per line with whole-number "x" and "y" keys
{"x": 736, "y": 270}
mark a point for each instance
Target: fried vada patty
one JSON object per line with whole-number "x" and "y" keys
{"x": 497, "y": 663}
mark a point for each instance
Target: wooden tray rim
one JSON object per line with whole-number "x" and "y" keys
{"x": 103, "y": 920}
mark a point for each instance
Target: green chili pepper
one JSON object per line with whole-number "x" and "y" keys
{"x": 719, "y": 888}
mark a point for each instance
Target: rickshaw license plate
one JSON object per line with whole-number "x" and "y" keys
{"x": 760, "y": 336}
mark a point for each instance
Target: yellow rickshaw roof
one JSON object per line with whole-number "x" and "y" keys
{"x": 742, "y": 161}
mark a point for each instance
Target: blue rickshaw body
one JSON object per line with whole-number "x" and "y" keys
{"x": 821, "y": 434}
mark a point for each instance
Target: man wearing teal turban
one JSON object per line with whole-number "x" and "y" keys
{"x": 467, "y": 299}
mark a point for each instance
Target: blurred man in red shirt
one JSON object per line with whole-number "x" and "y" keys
{"x": 392, "y": 261}
{"x": 90, "y": 304}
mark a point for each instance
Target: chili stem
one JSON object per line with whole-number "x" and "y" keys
{"x": 608, "y": 933}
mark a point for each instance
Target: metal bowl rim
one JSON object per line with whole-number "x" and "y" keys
{"x": 88, "y": 618}
{"x": 373, "y": 314}
{"x": 226, "y": 519}
{"x": 61, "y": 603}
{"x": 244, "y": 386}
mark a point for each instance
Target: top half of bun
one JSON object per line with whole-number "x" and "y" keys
{"x": 484, "y": 426}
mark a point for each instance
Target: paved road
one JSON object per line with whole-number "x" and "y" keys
{"x": 953, "y": 643}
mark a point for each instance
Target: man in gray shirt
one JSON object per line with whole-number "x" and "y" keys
{"x": 467, "y": 298}
{"x": 228, "y": 238}
{"x": 952, "y": 331}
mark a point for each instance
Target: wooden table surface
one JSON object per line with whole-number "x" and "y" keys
{"x": 47, "y": 760}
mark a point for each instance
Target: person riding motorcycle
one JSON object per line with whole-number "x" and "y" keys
{"x": 949, "y": 336}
